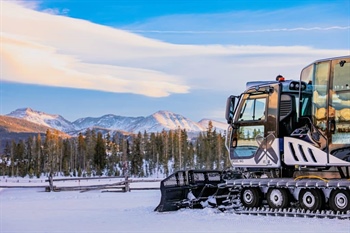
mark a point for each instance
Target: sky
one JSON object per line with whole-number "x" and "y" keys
{"x": 89, "y": 58}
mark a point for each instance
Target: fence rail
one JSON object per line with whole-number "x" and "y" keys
{"x": 104, "y": 183}
{"x": 86, "y": 178}
{"x": 121, "y": 186}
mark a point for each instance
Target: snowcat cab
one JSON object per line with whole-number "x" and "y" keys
{"x": 277, "y": 126}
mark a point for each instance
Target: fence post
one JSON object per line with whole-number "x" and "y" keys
{"x": 51, "y": 182}
{"x": 127, "y": 186}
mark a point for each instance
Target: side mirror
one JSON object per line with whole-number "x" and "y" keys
{"x": 230, "y": 108}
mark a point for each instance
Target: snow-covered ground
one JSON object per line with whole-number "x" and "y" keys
{"x": 31, "y": 210}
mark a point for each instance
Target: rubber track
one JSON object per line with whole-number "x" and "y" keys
{"x": 286, "y": 183}
{"x": 292, "y": 212}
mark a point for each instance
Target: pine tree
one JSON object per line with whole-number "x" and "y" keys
{"x": 20, "y": 159}
{"x": 156, "y": 153}
{"x": 7, "y": 157}
{"x": 165, "y": 150}
{"x": 137, "y": 157}
{"x": 125, "y": 156}
{"x": 100, "y": 154}
{"x": 29, "y": 157}
{"x": 150, "y": 162}
{"x": 118, "y": 142}
{"x": 38, "y": 167}
{"x": 81, "y": 157}
{"x": 66, "y": 157}
{"x": 90, "y": 142}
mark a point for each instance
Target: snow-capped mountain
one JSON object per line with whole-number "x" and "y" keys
{"x": 161, "y": 120}
{"x": 154, "y": 123}
{"x": 108, "y": 121}
{"x": 168, "y": 121}
{"x": 42, "y": 118}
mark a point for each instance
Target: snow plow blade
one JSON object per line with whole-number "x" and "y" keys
{"x": 188, "y": 189}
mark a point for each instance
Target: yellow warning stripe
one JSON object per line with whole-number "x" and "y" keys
{"x": 311, "y": 177}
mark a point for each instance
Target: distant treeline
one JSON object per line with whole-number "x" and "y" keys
{"x": 92, "y": 154}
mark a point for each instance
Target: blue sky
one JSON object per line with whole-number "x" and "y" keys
{"x": 132, "y": 57}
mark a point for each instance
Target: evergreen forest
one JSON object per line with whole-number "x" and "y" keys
{"x": 94, "y": 154}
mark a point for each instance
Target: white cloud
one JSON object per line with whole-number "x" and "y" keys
{"x": 54, "y": 50}
{"x": 28, "y": 62}
{"x": 244, "y": 31}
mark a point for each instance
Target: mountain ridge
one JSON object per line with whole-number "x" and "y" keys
{"x": 156, "y": 122}
{"x": 50, "y": 120}
{"x": 15, "y": 129}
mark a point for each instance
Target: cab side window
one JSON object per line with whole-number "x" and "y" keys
{"x": 253, "y": 109}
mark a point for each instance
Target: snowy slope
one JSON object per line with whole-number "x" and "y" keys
{"x": 42, "y": 118}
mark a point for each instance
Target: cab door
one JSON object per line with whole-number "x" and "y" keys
{"x": 253, "y": 141}
{"x": 339, "y": 109}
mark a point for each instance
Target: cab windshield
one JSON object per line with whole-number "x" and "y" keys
{"x": 326, "y": 99}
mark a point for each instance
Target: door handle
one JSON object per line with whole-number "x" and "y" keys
{"x": 332, "y": 126}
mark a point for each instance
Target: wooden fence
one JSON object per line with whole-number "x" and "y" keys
{"x": 121, "y": 186}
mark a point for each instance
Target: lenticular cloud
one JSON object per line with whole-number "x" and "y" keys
{"x": 45, "y": 49}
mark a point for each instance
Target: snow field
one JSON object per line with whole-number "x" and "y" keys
{"x": 30, "y": 210}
